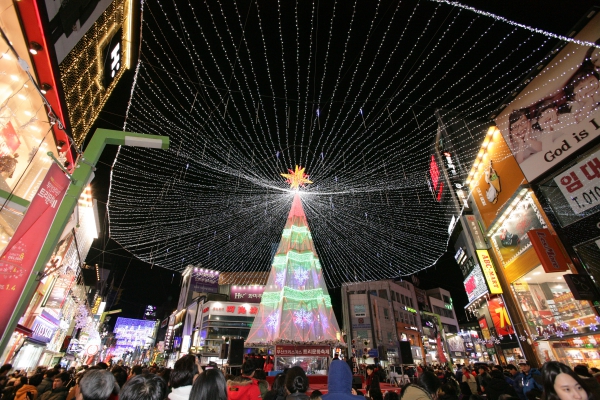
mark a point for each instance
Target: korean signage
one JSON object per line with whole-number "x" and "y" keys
{"x": 500, "y": 316}
{"x": 547, "y": 250}
{"x": 581, "y": 184}
{"x": 556, "y": 114}
{"x": 489, "y": 271}
{"x": 22, "y": 251}
{"x": 246, "y": 294}
{"x": 475, "y": 284}
{"x": 511, "y": 239}
{"x": 472, "y": 225}
{"x": 204, "y": 281}
{"x": 112, "y": 56}
{"x": 229, "y": 308}
{"x": 44, "y": 326}
{"x": 321, "y": 351}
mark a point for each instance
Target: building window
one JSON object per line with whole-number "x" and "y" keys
{"x": 383, "y": 294}
{"x": 386, "y": 313}
{"x": 446, "y": 299}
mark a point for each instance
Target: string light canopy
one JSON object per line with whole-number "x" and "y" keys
{"x": 248, "y": 90}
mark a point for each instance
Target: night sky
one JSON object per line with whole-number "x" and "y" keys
{"x": 143, "y": 284}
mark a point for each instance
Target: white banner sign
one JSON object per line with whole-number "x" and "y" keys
{"x": 581, "y": 184}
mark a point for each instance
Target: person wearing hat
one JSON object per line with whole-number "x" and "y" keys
{"x": 532, "y": 378}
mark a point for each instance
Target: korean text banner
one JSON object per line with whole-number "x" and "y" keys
{"x": 21, "y": 253}
{"x": 557, "y": 113}
{"x": 581, "y": 184}
{"x": 497, "y": 178}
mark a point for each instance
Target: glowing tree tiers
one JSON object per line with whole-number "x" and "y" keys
{"x": 295, "y": 306}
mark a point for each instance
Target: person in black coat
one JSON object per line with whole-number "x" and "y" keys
{"x": 497, "y": 386}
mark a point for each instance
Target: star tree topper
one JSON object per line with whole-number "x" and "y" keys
{"x": 296, "y": 178}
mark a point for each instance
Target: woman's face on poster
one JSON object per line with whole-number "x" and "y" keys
{"x": 585, "y": 88}
{"x": 548, "y": 119}
{"x": 520, "y": 128}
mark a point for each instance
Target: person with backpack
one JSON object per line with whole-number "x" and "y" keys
{"x": 532, "y": 378}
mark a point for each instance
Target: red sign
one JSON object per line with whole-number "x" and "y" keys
{"x": 547, "y": 250}
{"x": 22, "y": 251}
{"x": 317, "y": 351}
{"x": 500, "y": 317}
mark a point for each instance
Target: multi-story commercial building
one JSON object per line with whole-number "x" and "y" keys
{"x": 379, "y": 315}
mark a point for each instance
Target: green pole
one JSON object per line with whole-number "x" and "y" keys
{"x": 81, "y": 175}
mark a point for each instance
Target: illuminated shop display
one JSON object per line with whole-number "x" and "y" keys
{"x": 295, "y": 305}
{"x": 549, "y": 308}
{"x": 132, "y": 333}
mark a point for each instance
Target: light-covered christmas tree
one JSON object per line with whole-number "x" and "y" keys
{"x": 295, "y": 306}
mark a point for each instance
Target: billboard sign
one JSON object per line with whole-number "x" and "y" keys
{"x": 44, "y": 326}
{"x": 489, "y": 271}
{"x": 246, "y": 294}
{"x": 204, "y": 281}
{"x": 496, "y": 179}
{"x": 511, "y": 240}
{"x": 131, "y": 333}
{"x": 581, "y": 184}
{"x": 557, "y": 112}
{"x": 475, "y": 284}
{"x": 500, "y": 316}
{"x": 21, "y": 253}
{"x": 229, "y": 308}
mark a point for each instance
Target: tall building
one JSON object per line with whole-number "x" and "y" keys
{"x": 378, "y": 315}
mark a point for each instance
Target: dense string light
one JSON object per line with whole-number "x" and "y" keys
{"x": 348, "y": 92}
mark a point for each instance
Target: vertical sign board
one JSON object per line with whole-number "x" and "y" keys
{"x": 489, "y": 271}
{"x": 547, "y": 250}
{"x": 112, "y": 56}
{"x": 21, "y": 253}
{"x": 500, "y": 316}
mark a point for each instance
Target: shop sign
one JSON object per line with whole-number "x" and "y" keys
{"x": 553, "y": 116}
{"x": 547, "y": 250}
{"x": 580, "y": 185}
{"x": 489, "y": 271}
{"x": 44, "y": 326}
{"x": 321, "y": 351}
{"x": 247, "y": 294}
{"x": 472, "y": 225}
{"x": 497, "y": 178}
{"x": 230, "y": 308}
{"x": 475, "y": 284}
{"x": 582, "y": 287}
{"x": 511, "y": 239}
{"x": 500, "y": 317}
{"x": 22, "y": 251}
{"x": 373, "y": 353}
{"x": 409, "y": 309}
{"x": 361, "y": 326}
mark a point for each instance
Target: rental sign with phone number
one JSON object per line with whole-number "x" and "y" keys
{"x": 581, "y": 184}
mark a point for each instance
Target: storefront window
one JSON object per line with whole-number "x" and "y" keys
{"x": 549, "y": 307}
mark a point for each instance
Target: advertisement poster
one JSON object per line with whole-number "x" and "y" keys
{"x": 511, "y": 239}
{"x": 581, "y": 184}
{"x": 557, "y": 113}
{"x": 21, "y": 253}
{"x": 497, "y": 178}
{"x": 475, "y": 284}
{"x": 485, "y": 330}
{"x": 500, "y": 317}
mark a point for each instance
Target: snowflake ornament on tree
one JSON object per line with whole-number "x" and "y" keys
{"x": 303, "y": 318}
{"x": 324, "y": 321}
{"x": 593, "y": 327}
{"x": 273, "y": 321}
{"x": 546, "y": 335}
{"x": 580, "y": 322}
{"x": 522, "y": 338}
{"x": 280, "y": 278}
{"x": 300, "y": 276}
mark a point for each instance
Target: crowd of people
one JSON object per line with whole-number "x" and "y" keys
{"x": 188, "y": 380}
